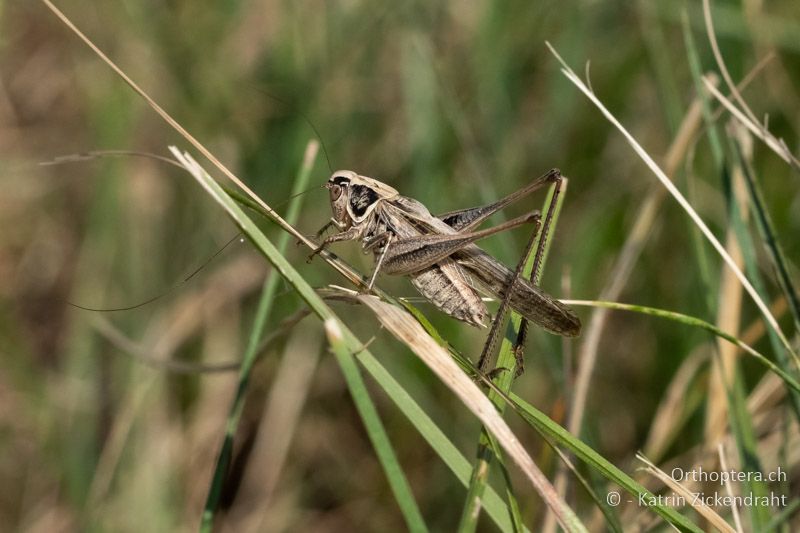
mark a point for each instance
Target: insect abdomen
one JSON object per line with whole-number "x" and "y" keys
{"x": 453, "y": 296}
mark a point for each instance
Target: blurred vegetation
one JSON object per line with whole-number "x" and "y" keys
{"x": 452, "y": 103}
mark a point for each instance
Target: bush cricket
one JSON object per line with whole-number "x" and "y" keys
{"x": 438, "y": 253}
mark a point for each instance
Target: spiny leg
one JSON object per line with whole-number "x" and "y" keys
{"x": 522, "y": 335}
{"x": 470, "y": 218}
{"x": 411, "y": 255}
{"x": 324, "y": 228}
{"x": 495, "y": 331}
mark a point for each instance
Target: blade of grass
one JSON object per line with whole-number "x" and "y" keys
{"x": 256, "y": 334}
{"x": 446, "y": 450}
{"x": 768, "y": 234}
{"x": 718, "y": 157}
{"x": 612, "y": 520}
{"x": 696, "y": 322}
{"x": 746, "y": 116}
{"x": 776, "y": 255}
{"x": 739, "y": 419}
{"x": 372, "y": 422}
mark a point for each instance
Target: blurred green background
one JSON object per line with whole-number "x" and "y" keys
{"x": 452, "y": 103}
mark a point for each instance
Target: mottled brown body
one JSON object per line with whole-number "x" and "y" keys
{"x": 437, "y": 253}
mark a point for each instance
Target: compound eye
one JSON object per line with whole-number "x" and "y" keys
{"x": 336, "y": 192}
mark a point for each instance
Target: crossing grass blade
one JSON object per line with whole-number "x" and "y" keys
{"x": 507, "y": 359}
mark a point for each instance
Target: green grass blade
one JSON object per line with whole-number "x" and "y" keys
{"x": 718, "y": 157}
{"x": 768, "y": 234}
{"x": 787, "y": 378}
{"x": 374, "y": 426}
{"x": 696, "y": 70}
{"x": 740, "y": 419}
{"x": 257, "y": 332}
{"x": 776, "y": 255}
{"x": 511, "y": 498}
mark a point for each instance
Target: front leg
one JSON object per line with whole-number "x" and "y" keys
{"x": 323, "y": 229}
{"x": 348, "y": 235}
{"x": 332, "y": 222}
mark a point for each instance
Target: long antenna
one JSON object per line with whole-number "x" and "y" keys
{"x": 305, "y": 117}
{"x": 168, "y": 291}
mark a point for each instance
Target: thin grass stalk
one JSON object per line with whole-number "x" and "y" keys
{"x": 770, "y": 239}
{"x": 718, "y": 159}
{"x": 640, "y": 151}
{"x": 705, "y": 511}
{"x": 740, "y": 420}
{"x": 787, "y": 378}
{"x": 645, "y": 219}
{"x": 496, "y": 509}
{"x": 723, "y": 463}
{"x": 745, "y": 115}
{"x": 720, "y": 402}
